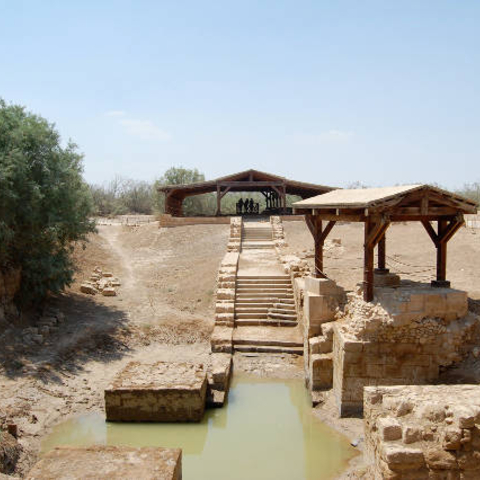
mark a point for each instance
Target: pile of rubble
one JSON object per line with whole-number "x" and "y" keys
{"x": 45, "y": 325}
{"x": 101, "y": 282}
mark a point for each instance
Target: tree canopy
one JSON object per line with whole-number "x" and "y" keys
{"x": 44, "y": 203}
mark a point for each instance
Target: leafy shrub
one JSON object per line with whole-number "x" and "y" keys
{"x": 44, "y": 203}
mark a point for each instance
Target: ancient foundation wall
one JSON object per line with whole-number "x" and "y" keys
{"x": 160, "y": 392}
{"x": 401, "y": 340}
{"x": 417, "y": 432}
{"x": 104, "y": 462}
{"x": 167, "y": 220}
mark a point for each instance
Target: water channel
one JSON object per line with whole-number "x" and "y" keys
{"x": 266, "y": 431}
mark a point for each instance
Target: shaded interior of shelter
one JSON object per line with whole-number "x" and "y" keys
{"x": 275, "y": 189}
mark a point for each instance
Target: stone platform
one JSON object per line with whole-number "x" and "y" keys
{"x": 417, "y": 432}
{"x": 159, "y": 392}
{"x": 108, "y": 462}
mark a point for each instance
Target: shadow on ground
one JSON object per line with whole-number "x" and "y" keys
{"x": 91, "y": 331}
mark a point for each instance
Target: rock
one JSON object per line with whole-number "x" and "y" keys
{"x": 88, "y": 288}
{"x": 451, "y": 439}
{"x": 107, "y": 274}
{"x": 109, "y": 292}
{"x": 389, "y": 429}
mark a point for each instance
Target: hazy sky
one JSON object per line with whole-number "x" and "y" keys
{"x": 331, "y": 92}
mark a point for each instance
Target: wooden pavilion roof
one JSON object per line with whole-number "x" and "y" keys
{"x": 406, "y": 202}
{"x": 247, "y": 181}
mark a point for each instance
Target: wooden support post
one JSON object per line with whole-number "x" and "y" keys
{"x": 368, "y": 263}
{"x": 375, "y": 229}
{"x": 441, "y": 280}
{"x": 382, "y": 255}
{"x": 219, "y": 201}
{"x": 315, "y": 225}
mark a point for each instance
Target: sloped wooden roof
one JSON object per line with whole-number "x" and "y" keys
{"x": 400, "y": 200}
{"x": 247, "y": 181}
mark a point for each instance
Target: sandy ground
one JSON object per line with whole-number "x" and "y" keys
{"x": 410, "y": 253}
{"x": 164, "y": 310}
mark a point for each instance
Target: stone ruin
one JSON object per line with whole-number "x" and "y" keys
{"x": 101, "y": 282}
{"x": 104, "y": 462}
{"x": 235, "y": 240}
{"x": 418, "y": 432}
{"x": 168, "y": 391}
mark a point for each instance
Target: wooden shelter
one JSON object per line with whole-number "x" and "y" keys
{"x": 377, "y": 208}
{"x": 248, "y": 181}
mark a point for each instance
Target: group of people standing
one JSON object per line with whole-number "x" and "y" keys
{"x": 247, "y": 206}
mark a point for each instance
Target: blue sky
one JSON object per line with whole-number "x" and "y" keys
{"x": 331, "y": 92}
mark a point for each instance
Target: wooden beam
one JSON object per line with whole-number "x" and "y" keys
{"x": 451, "y": 229}
{"x": 219, "y": 201}
{"x": 327, "y": 230}
{"x": 431, "y": 232}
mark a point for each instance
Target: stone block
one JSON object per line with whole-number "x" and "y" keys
{"x": 104, "y": 462}
{"x": 321, "y": 286}
{"x": 88, "y": 288}
{"x": 321, "y": 371}
{"x": 399, "y": 456}
{"x": 222, "y": 339}
{"x": 109, "y": 292}
{"x": 224, "y": 307}
{"x": 411, "y": 434}
{"x": 389, "y": 429}
{"x": 320, "y": 345}
{"x": 226, "y": 294}
{"x": 159, "y": 392}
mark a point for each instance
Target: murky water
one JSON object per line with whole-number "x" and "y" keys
{"x": 267, "y": 431}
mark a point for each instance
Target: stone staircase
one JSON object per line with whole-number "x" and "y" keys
{"x": 257, "y": 235}
{"x": 265, "y": 300}
{"x": 268, "y": 340}
{"x": 264, "y": 316}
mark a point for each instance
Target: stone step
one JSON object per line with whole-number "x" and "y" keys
{"x": 286, "y": 311}
{"x": 285, "y": 305}
{"x": 255, "y": 281}
{"x": 268, "y": 349}
{"x": 267, "y": 342}
{"x": 252, "y": 309}
{"x": 251, "y": 303}
{"x": 282, "y": 316}
{"x": 249, "y": 315}
{"x": 264, "y": 286}
{"x": 274, "y": 297}
{"x": 264, "y": 322}
{"x": 249, "y": 277}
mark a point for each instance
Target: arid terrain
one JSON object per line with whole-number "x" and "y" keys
{"x": 164, "y": 310}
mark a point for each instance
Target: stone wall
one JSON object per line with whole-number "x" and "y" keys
{"x": 401, "y": 339}
{"x": 322, "y": 300}
{"x": 417, "y": 432}
{"x": 159, "y": 392}
{"x": 106, "y": 462}
{"x": 166, "y": 220}
{"x": 9, "y": 286}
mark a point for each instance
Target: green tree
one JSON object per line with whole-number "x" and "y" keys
{"x": 44, "y": 203}
{"x": 195, "y": 205}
